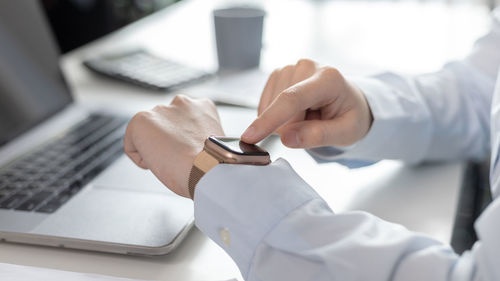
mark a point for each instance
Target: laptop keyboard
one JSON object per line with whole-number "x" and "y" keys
{"x": 45, "y": 179}
{"x": 142, "y": 68}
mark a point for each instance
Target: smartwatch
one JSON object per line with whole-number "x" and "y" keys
{"x": 224, "y": 150}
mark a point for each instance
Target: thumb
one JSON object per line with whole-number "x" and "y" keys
{"x": 316, "y": 133}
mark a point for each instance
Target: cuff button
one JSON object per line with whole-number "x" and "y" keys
{"x": 225, "y": 237}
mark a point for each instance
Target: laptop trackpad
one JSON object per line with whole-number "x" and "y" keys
{"x": 120, "y": 216}
{"x": 124, "y": 204}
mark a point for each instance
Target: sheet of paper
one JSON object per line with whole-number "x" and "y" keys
{"x": 241, "y": 89}
{"x": 236, "y": 119}
{"x": 12, "y": 272}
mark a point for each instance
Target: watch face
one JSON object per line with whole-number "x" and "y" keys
{"x": 238, "y": 147}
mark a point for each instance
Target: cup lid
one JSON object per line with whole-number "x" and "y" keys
{"x": 239, "y": 12}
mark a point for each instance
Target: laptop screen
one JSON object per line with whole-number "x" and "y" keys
{"x": 32, "y": 87}
{"x": 77, "y": 22}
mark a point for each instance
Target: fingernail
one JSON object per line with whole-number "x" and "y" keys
{"x": 249, "y": 133}
{"x": 291, "y": 138}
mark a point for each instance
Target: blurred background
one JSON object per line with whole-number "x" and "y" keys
{"x": 91, "y": 19}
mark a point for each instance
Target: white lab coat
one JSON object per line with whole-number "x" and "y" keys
{"x": 276, "y": 227}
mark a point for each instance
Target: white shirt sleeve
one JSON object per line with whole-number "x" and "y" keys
{"x": 275, "y": 227}
{"x": 437, "y": 116}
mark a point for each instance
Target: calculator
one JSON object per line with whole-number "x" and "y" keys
{"x": 144, "y": 69}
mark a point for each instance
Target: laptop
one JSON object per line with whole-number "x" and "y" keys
{"x": 64, "y": 179}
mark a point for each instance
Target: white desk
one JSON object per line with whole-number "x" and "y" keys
{"x": 358, "y": 38}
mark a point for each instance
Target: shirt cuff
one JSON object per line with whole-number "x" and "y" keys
{"x": 237, "y": 205}
{"x": 386, "y": 120}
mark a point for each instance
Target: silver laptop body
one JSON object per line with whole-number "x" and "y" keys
{"x": 120, "y": 208}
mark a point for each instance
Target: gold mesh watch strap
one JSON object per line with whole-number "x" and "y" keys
{"x": 194, "y": 177}
{"x": 203, "y": 162}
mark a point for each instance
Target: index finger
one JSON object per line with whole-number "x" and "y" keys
{"x": 306, "y": 94}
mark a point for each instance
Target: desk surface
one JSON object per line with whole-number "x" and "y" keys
{"x": 379, "y": 34}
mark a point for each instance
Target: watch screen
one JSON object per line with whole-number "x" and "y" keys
{"x": 236, "y": 146}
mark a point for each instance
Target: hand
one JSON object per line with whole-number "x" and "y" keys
{"x": 167, "y": 139}
{"x": 310, "y": 106}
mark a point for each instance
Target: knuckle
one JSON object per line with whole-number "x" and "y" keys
{"x": 138, "y": 120}
{"x": 275, "y": 73}
{"x": 330, "y": 73}
{"x": 159, "y": 108}
{"x": 290, "y": 97}
{"x": 176, "y": 99}
{"x": 287, "y": 68}
{"x": 142, "y": 116}
{"x": 305, "y": 63}
{"x": 180, "y": 99}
